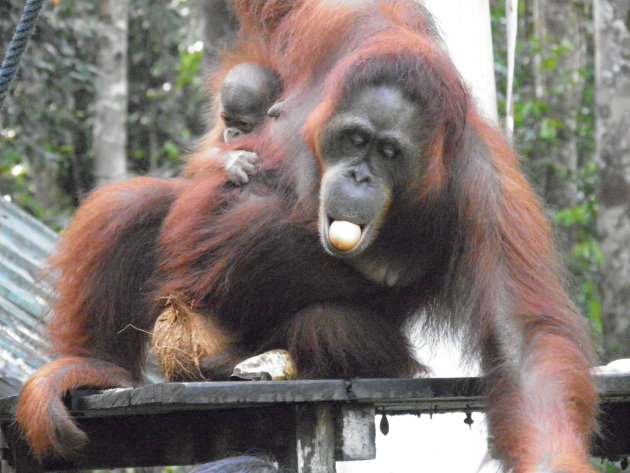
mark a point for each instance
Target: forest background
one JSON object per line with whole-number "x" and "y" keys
{"x": 115, "y": 88}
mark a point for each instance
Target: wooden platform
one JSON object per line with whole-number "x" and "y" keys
{"x": 305, "y": 425}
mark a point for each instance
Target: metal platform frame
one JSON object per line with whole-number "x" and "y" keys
{"x": 305, "y": 425}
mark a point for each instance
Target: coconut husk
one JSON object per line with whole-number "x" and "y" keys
{"x": 182, "y": 338}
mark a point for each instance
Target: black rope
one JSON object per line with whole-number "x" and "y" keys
{"x": 17, "y": 45}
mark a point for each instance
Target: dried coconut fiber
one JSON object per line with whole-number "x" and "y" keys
{"x": 181, "y": 339}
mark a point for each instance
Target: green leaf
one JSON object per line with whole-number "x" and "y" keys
{"x": 548, "y": 129}
{"x": 189, "y": 65}
{"x": 564, "y": 217}
{"x": 549, "y": 64}
{"x": 171, "y": 150}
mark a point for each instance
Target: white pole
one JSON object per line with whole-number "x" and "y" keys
{"x": 511, "y": 14}
{"x": 466, "y": 29}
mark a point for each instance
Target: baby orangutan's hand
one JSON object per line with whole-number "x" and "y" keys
{"x": 240, "y": 165}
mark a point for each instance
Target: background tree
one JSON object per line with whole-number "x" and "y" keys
{"x": 559, "y": 60}
{"x": 45, "y": 135}
{"x": 612, "y": 24}
{"x": 167, "y": 95}
{"x": 540, "y": 128}
{"x": 46, "y": 129}
{"x": 109, "y": 133}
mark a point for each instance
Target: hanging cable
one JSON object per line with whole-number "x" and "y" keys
{"x": 17, "y": 46}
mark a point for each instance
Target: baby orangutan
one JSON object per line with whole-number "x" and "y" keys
{"x": 247, "y": 97}
{"x": 248, "y": 92}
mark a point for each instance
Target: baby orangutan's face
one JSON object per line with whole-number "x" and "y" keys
{"x": 239, "y": 123}
{"x": 247, "y": 92}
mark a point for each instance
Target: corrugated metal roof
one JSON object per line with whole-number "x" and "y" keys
{"x": 24, "y": 245}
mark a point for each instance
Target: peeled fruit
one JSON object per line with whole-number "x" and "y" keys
{"x": 344, "y": 235}
{"x": 274, "y": 365}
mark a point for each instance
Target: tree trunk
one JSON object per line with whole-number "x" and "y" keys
{"x": 612, "y": 52}
{"x": 559, "y": 28}
{"x": 110, "y": 130}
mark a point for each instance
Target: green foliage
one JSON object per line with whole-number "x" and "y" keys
{"x": 46, "y": 126}
{"x": 45, "y": 121}
{"x": 586, "y": 255}
{"x": 165, "y": 76}
{"x": 549, "y": 128}
{"x": 189, "y": 65}
{"x": 536, "y": 129}
{"x": 607, "y": 466}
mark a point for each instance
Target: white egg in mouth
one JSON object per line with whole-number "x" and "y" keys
{"x": 344, "y": 235}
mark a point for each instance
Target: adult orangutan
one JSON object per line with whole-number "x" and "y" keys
{"x": 377, "y": 135}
